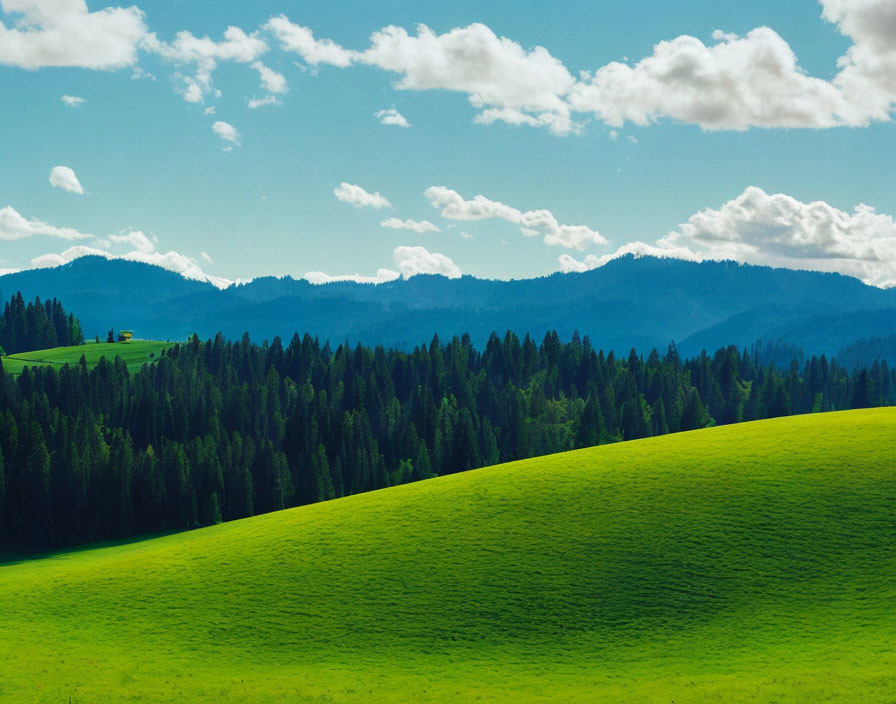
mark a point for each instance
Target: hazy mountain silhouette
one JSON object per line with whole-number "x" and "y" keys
{"x": 630, "y": 302}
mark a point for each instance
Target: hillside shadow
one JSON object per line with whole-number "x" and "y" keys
{"x": 17, "y": 558}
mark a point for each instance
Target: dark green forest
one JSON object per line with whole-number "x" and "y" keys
{"x": 219, "y": 430}
{"x": 37, "y": 326}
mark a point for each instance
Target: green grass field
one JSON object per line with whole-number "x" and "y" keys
{"x": 754, "y": 562}
{"x": 135, "y": 353}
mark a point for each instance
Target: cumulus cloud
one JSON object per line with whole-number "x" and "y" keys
{"x": 778, "y": 230}
{"x": 636, "y": 249}
{"x": 410, "y": 262}
{"x": 382, "y": 276}
{"x": 532, "y": 223}
{"x": 136, "y": 239}
{"x": 300, "y": 40}
{"x": 731, "y": 83}
{"x": 737, "y": 83}
{"x": 392, "y": 117}
{"x": 64, "y": 177}
{"x": 72, "y": 101}
{"x": 753, "y": 81}
{"x": 502, "y": 79}
{"x": 201, "y": 55}
{"x": 227, "y": 132}
{"x": 357, "y": 197}
{"x": 419, "y": 260}
{"x": 143, "y": 251}
{"x": 494, "y": 72}
{"x": 271, "y": 81}
{"x": 65, "y": 33}
{"x": 419, "y": 226}
{"x": 254, "y": 103}
{"x": 868, "y": 70}
{"x": 172, "y": 261}
{"x": 13, "y": 226}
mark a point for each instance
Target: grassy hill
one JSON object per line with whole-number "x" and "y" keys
{"x": 753, "y": 562}
{"x": 135, "y": 353}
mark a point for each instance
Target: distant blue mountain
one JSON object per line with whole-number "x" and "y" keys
{"x": 642, "y": 303}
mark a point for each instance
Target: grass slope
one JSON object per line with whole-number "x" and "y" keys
{"x": 135, "y": 353}
{"x": 743, "y": 563}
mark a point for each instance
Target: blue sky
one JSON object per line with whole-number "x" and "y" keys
{"x": 692, "y": 134}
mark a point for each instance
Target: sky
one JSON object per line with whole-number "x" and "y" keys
{"x": 228, "y": 140}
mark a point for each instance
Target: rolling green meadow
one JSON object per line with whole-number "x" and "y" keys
{"x": 752, "y": 562}
{"x": 135, "y": 354}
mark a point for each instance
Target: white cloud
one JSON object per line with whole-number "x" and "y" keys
{"x": 454, "y": 207}
{"x": 737, "y": 83}
{"x": 466, "y": 235}
{"x": 505, "y": 81}
{"x": 419, "y": 226}
{"x": 495, "y": 72}
{"x": 392, "y": 117}
{"x": 637, "y": 249}
{"x": 227, "y": 132}
{"x": 300, "y": 40}
{"x": 731, "y": 83}
{"x": 728, "y": 83}
{"x": 261, "y": 102}
{"x": 192, "y": 90}
{"x": 410, "y": 262}
{"x": 779, "y": 230}
{"x": 172, "y": 261}
{"x": 202, "y": 55}
{"x": 14, "y": 226}
{"x": 868, "y": 70}
{"x": 64, "y": 177}
{"x": 206, "y": 256}
{"x": 73, "y": 101}
{"x": 359, "y": 198}
{"x": 532, "y": 223}
{"x": 47, "y": 261}
{"x": 382, "y": 276}
{"x": 64, "y": 33}
{"x": 135, "y": 239}
{"x": 140, "y": 247}
{"x": 271, "y": 81}
{"x": 139, "y": 74}
{"x": 419, "y": 260}
{"x": 210, "y": 110}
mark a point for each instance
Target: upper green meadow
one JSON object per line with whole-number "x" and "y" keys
{"x": 750, "y": 562}
{"x": 135, "y": 354}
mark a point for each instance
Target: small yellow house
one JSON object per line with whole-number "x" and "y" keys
{"x": 125, "y": 335}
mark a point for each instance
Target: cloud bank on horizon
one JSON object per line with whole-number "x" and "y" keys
{"x": 780, "y": 231}
{"x": 736, "y": 82}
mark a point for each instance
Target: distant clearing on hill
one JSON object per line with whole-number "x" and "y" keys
{"x": 135, "y": 354}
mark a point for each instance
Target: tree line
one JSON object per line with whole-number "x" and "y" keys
{"x": 37, "y": 326}
{"x": 219, "y": 430}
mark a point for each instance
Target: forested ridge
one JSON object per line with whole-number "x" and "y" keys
{"x": 37, "y": 326}
{"x": 219, "y": 430}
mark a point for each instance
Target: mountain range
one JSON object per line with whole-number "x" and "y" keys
{"x": 630, "y": 302}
